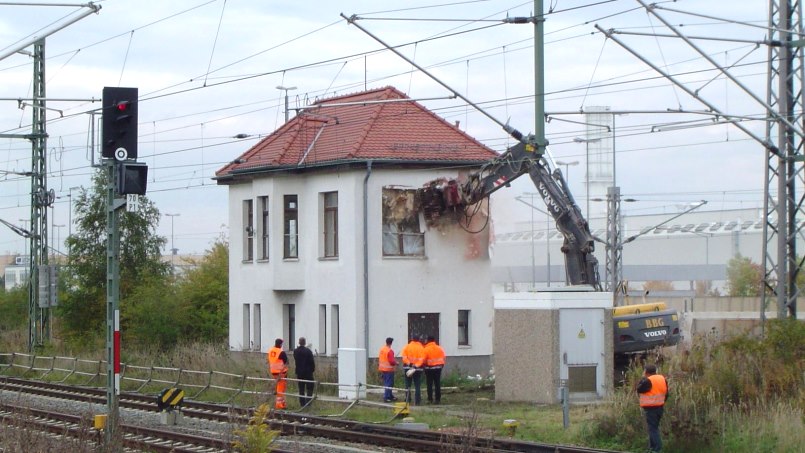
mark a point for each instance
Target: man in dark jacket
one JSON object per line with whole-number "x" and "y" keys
{"x": 305, "y": 366}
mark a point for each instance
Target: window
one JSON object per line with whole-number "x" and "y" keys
{"x": 463, "y": 327}
{"x": 330, "y": 224}
{"x": 401, "y": 233}
{"x": 335, "y": 324}
{"x": 246, "y": 341}
{"x": 257, "y": 330}
{"x": 322, "y": 329}
{"x": 263, "y": 201}
{"x": 248, "y": 230}
{"x": 291, "y": 227}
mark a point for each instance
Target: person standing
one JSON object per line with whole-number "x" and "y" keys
{"x": 413, "y": 357}
{"x": 386, "y": 364}
{"x": 305, "y": 367}
{"x": 278, "y": 367}
{"x": 653, "y": 391}
{"x": 434, "y": 362}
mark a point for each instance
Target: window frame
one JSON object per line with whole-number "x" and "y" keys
{"x": 464, "y": 328}
{"x": 248, "y": 230}
{"x": 330, "y": 224}
{"x": 264, "y": 228}
{"x": 290, "y": 226}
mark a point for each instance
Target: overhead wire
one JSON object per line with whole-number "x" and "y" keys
{"x": 125, "y": 58}
{"x": 331, "y": 84}
{"x": 215, "y": 41}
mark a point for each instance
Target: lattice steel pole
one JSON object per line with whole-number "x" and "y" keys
{"x": 781, "y": 266}
{"x": 614, "y": 261}
{"x": 40, "y": 199}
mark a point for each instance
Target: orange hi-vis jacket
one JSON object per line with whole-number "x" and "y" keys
{"x": 383, "y": 364}
{"x": 413, "y": 354}
{"x": 434, "y": 355}
{"x": 656, "y": 395}
{"x": 275, "y": 364}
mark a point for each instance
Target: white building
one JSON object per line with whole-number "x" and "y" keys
{"x": 327, "y": 243}
{"x": 15, "y": 273}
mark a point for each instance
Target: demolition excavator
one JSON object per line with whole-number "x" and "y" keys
{"x": 636, "y": 327}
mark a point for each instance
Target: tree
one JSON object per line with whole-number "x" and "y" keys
{"x": 744, "y": 278}
{"x": 151, "y": 315}
{"x": 83, "y": 309}
{"x": 13, "y": 308}
{"x": 204, "y": 295}
{"x": 705, "y": 288}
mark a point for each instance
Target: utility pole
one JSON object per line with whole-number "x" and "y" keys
{"x": 173, "y": 247}
{"x": 38, "y": 310}
{"x": 614, "y": 260}
{"x": 781, "y": 265}
{"x": 539, "y": 77}
{"x": 41, "y": 198}
{"x": 287, "y": 89}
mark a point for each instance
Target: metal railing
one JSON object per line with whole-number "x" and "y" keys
{"x": 210, "y": 385}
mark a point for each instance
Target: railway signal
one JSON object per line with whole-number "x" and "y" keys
{"x": 119, "y": 136}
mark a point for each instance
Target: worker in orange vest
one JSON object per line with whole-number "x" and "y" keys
{"x": 413, "y": 357}
{"x": 278, "y": 367}
{"x": 653, "y": 391}
{"x": 434, "y": 362}
{"x": 386, "y": 363}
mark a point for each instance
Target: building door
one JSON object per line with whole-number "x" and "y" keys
{"x": 289, "y": 325}
{"x": 423, "y": 324}
{"x": 581, "y": 343}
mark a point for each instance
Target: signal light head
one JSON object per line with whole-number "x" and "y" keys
{"x": 122, "y": 106}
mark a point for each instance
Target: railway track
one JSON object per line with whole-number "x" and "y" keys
{"x": 132, "y": 437}
{"x": 288, "y": 423}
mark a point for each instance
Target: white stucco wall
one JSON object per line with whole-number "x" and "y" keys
{"x": 444, "y": 281}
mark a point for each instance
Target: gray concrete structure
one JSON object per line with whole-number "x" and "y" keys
{"x": 544, "y": 340}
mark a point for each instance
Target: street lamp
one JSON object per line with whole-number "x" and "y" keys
{"x": 567, "y": 171}
{"x": 587, "y": 142}
{"x": 530, "y": 203}
{"x": 173, "y": 247}
{"x": 70, "y": 215}
{"x": 287, "y": 89}
{"x": 58, "y": 239}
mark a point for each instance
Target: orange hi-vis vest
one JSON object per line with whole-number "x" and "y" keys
{"x": 656, "y": 396}
{"x": 275, "y": 365}
{"x": 413, "y": 354}
{"x": 383, "y": 364}
{"x": 434, "y": 355}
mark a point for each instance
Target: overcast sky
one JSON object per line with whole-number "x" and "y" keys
{"x": 208, "y": 71}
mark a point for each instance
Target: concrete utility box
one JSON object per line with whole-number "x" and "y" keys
{"x": 351, "y": 372}
{"x": 544, "y": 339}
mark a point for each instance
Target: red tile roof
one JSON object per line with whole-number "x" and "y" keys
{"x": 361, "y": 130}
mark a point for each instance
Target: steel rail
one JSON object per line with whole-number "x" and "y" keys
{"x": 297, "y": 424}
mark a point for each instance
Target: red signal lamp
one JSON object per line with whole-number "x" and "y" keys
{"x": 123, "y": 106}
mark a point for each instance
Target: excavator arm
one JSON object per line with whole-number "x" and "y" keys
{"x": 441, "y": 197}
